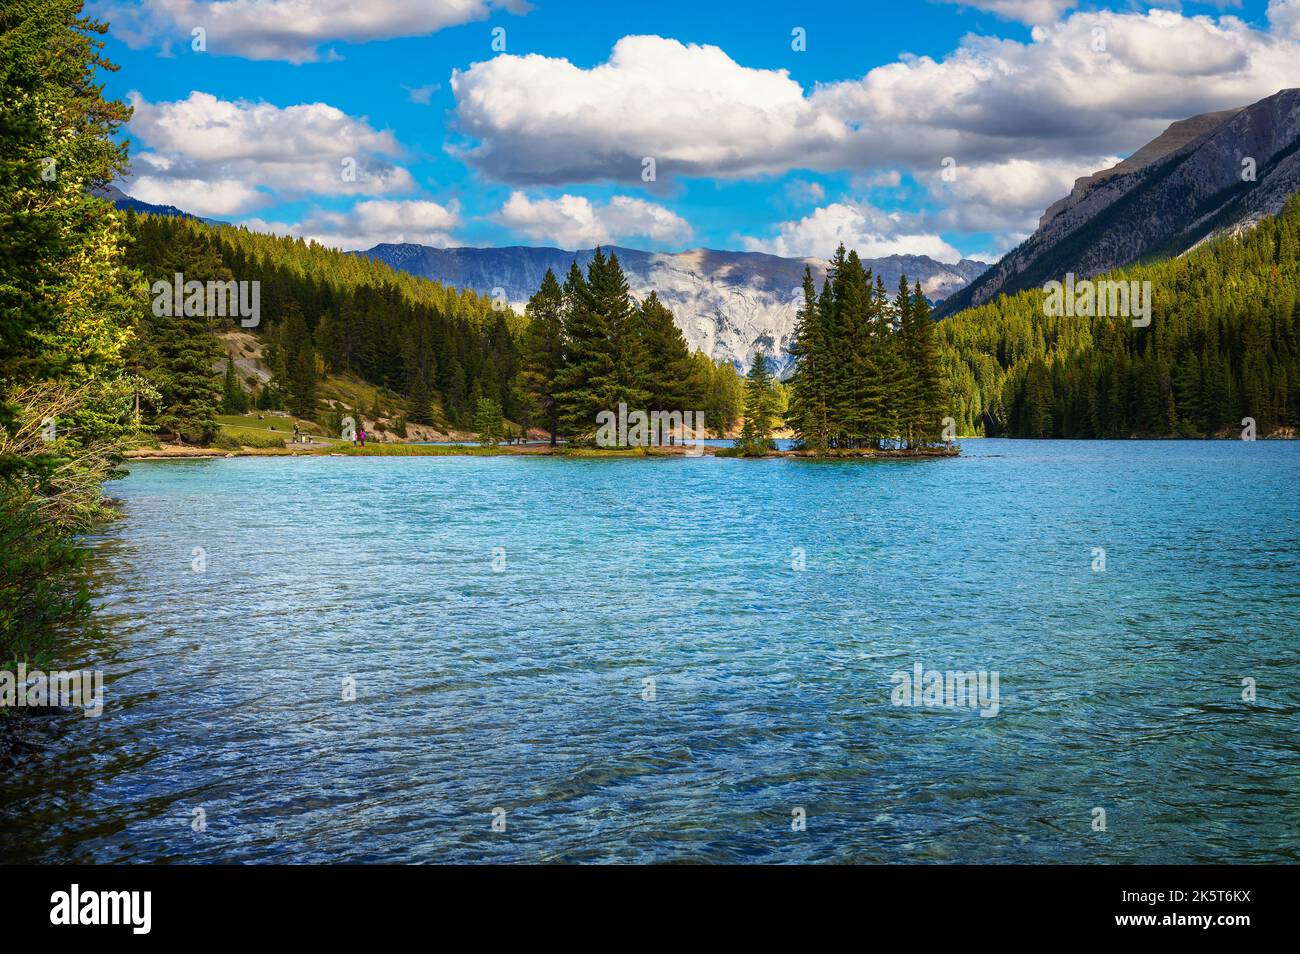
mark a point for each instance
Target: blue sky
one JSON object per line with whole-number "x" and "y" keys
{"x": 931, "y": 127}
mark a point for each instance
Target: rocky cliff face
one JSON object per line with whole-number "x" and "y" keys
{"x": 729, "y": 304}
{"x": 1172, "y": 139}
{"x": 1203, "y": 176}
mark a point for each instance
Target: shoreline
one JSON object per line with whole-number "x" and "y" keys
{"x": 183, "y": 452}
{"x": 409, "y": 449}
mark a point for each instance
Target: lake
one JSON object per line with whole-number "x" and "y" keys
{"x": 688, "y": 659}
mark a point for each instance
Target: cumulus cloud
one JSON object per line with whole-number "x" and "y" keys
{"x": 1284, "y": 17}
{"x": 1005, "y": 196}
{"x": 1024, "y": 11}
{"x": 692, "y": 108}
{"x": 368, "y": 223}
{"x": 573, "y": 221}
{"x": 217, "y": 157}
{"x": 1091, "y": 84}
{"x": 856, "y": 225}
{"x": 291, "y": 30}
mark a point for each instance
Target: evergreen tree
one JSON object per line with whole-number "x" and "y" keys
{"x": 176, "y": 354}
{"x": 807, "y": 413}
{"x": 488, "y": 422}
{"x": 421, "y": 401}
{"x": 66, "y": 314}
{"x": 302, "y": 383}
{"x": 756, "y": 434}
{"x": 587, "y": 383}
{"x": 543, "y": 352}
{"x": 233, "y": 398}
{"x": 867, "y": 371}
{"x": 609, "y": 294}
{"x": 64, "y": 310}
{"x": 720, "y": 392}
{"x": 923, "y": 399}
{"x": 667, "y": 378}
{"x": 891, "y": 370}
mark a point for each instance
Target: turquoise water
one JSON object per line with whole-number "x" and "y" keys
{"x": 523, "y": 689}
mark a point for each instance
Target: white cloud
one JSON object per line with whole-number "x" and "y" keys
{"x": 1284, "y": 17}
{"x": 290, "y": 30}
{"x": 368, "y": 223}
{"x": 540, "y": 120}
{"x": 1005, "y": 196}
{"x": 884, "y": 179}
{"x": 692, "y": 108}
{"x": 421, "y": 94}
{"x": 573, "y": 221}
{"x": 859, "y": 226}
{"x": 226, "y": 157}
{"x": 219, "y": 198}
{"x": 1025, "y": 11}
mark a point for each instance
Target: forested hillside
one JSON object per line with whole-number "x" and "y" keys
{"x": 446, "y": 357}
{"x": 321, "y": 312}
{"x": 1223, "y": 344}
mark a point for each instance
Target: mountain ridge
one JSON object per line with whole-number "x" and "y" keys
{"x": 728, "y": 304}
{"x": 1162, "y": 203}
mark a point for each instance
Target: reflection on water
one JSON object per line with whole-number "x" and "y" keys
{"x": 621, "y": 655}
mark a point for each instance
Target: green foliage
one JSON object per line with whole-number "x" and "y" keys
{"x": 587, "y": 383}
{"x": 41, "y": 566}
{"x": 421, "y": 402}
{"x": 866, "y": 370}
{"x": 175, "y": 353}
{"x": 760, "y": 406}
{"x": 65, "y": 314}
{"x": 1223, "y": 344}
{"x": 234, "y": 400}
{"x": 62, "y": 283}
{"x": 589, "y": 347}
{"x": 327, "y": 312}
{"x": 488, "y": 423}
{"x": 543, "y": 353}
{"x": 302, "y": 382}
{"x": 718, "y": 388}
{"x": 667, "y": 380}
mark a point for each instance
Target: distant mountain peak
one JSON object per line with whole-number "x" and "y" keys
{"x": 728, "y": 304}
